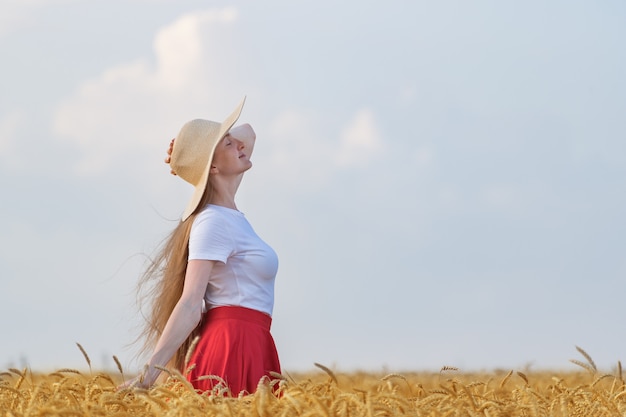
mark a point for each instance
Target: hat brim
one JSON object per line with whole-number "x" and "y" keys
{"x": 199, "y": 189}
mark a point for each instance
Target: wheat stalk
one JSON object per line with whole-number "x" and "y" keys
{"x": 588, "y": 367}
{"x": 328, "y": 371}
{"x": 119, "y": 366}
{"x": 523, "y": 376}
{"x": 69, "y": 370}
{"x": 276, "y": 375}
{"x": 593, "y": 384}
{"x": 189, "y": 352}
{"x": 402, "y": 377}
{"x": 506, "y": 378}
{"x": 85, "y": 355}
{"x": 588, "y": 357}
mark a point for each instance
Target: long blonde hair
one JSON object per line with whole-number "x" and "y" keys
{"x": 161, "y": 285}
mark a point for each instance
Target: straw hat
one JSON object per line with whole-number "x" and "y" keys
{"x": 193, "y": 152}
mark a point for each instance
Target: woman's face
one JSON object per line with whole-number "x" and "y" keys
{"x": 231, "y": 157}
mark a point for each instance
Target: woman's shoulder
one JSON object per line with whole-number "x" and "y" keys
{"x": 212, "y": 213}
{"x": 215, "y": 210}
{"x": 208, "y": 213}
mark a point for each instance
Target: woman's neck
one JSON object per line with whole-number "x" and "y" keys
{"x": 224, "y": 202}
{"x": 224, "y": 192}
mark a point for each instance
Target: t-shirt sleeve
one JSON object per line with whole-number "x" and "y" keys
{"x": 209, "y": 238}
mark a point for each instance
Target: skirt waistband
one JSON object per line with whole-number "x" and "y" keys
{"x": 239, "y": 313}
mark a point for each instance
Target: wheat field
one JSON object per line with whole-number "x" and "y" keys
{"x": 583, "y": 392}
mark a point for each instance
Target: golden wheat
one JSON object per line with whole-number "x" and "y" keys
{"x": 72, "y": 393}
{"x": 69, "y": 392}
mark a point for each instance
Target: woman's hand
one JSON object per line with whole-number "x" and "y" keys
{"x": 136, "y": 382}
{"x": 168, "y": 158}
{"x": 144, "y": 380}
{"x": 243, "y": 132}
{"x": 185, "y": 317}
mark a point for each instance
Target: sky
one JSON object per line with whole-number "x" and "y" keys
{"x": 443, "y": 181}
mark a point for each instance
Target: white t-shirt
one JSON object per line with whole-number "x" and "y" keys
{"x": 246, "y": 269}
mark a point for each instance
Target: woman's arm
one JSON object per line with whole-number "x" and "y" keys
{"x": 243, "y": 132}
{"x": 184, "y": 318}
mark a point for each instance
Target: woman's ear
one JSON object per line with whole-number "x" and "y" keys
{"x": 213, "y": 170}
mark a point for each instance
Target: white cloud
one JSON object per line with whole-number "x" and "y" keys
{"x": 304, "y": 149}
{"x": 10, "y": 125}
{"x": 299, "y": 148}
{"x": 15, "y": 14}
{"x": 119, "y": 116}
{"x": 408, "y": 93}
{"x": 449, "y": 197}
{"x": 424, "y": 156}
{"x": 360, "y": 140}
{"x": 129, "y": 108}
{"x": 505, "y": 198}
{"x": 182, "y": 51}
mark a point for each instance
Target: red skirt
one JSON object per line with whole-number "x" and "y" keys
{"x": 236, "y": 345}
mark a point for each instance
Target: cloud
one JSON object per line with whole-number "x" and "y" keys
{"x": 503, "y": 197}
{"x": 424, "y": 156}
{"x": 306, "y": 149}
{"x": 298, "y": 149}
{"x": 360, "y": 140}
{"x": 182, "y": 51}
{"x": 10, "y": 126}
{"x": 130, "y": 107}
{"x": 15, "y": 14}
{"x": 197, "y": 66}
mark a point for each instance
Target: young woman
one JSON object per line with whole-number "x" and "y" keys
{"x": 214, "y": 275}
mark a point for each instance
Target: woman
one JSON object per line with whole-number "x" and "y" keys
{"x": 215, "y": 276}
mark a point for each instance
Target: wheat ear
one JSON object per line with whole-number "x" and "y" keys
{"x": 119, "y": 366}
{"x": 328, "y": 371}
{"x": 588, "y": 357}
{"x": 85, "y": 355}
